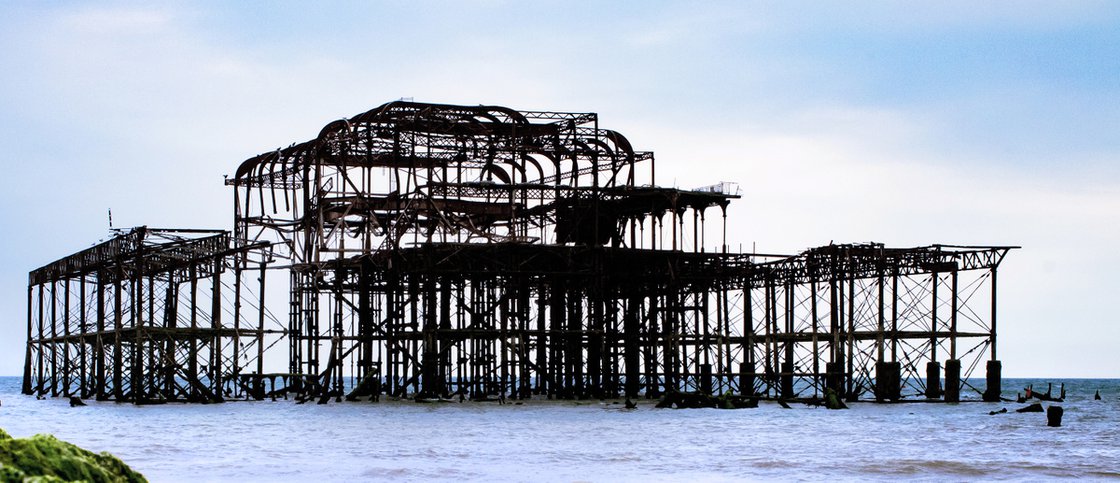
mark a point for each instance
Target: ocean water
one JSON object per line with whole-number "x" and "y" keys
{"x": 588, "y": 440}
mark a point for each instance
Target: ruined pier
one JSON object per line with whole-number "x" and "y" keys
{"x": 441, "y": 251}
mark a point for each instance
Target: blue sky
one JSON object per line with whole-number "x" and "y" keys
{"x": 905, "y": 123}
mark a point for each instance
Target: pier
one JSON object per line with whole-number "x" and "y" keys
{"x": 441, "y": 251}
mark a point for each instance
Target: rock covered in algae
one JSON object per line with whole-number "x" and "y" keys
{"x": 44, "y": 458}
{"x": 832, "y": 400}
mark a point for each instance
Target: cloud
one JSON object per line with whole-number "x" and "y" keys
{"x": 142, "y": 109}
{"x": 852, "y": 174}
{"x": 115, "y": 21}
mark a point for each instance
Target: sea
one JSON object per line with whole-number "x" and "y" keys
{"x": 543, "y": 440}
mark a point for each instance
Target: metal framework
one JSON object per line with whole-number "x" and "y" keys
{"x": 477, "y": 251}
{"x": 151, "y": 315}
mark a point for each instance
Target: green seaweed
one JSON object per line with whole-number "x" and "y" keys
{"x": 44, "y": 458}
{"x": 832, "y": 400}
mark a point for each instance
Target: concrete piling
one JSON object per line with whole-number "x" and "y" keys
{"x": 746, "y": 378}
{"x": 888, "y": 381}
{"x": 992, "y": 393}
{"x": 933, "y": 380}
{"x": 786, "y": 389}
{"x": 1054, "y": 416}
{"x": 952, "y": 380}
{"x": 834, "y": 376}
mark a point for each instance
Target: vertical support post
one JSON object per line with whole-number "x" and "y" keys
{"x": 653, "y": 389}
{"x": 748, "y": 368}
{"x": 894, "y": 315}
{"x": 556, "y": 325}
{"x": 994, "y": 368}
{"x": 151, "y": 379}
{"x": 670, "y": 330}
{"x": 881, "y": 328}
{"x": 595, "y": 346}
{"x": 41, "y": 382}
{"x": 888, "y": 381}
{"x": 630, "y": 329}
{"x": 577, "y": 328}
{"x": 953, "y": 365}
{"x": 817, "y": 389}
{"x": 887, "y": 374}
{"x": 543, "y": 372}
{"x": 118, "y": 326}
{"x": 933, "y": 369}
{"x": 769, "y": 366}
{"x": 192, "y": 354}
{"x": 706, "y": 378}
{"x": 260, "y": 331}
{"x": 238, "y": 265}
{"x": 992, "y": 338}
{"x": 216, "y": 362}
{"x": 99, "y": 351}
{"x": 953, "y": 319}
{"x": 54, "y": 338}
{"x": 170, "y": 349}
{"x": 524, "y": 389}
{"x": 952, "y": 380}
{"x": 136, "y": 316}
{"x": 834, "y": 369}
{"x": 26, "y": 389}
{"x": 429, "y": 363}
{"x": 850, "y": 387}
{"x": 83, "y": 330}
{"x": 66, "y": 366}
{"x": 787, "y": 364}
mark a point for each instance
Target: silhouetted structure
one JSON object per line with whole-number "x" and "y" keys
{"x": 435, "y": 250}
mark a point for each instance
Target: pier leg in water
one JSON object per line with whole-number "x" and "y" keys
{"x": 933, "y": 380}
{"x": 746, "y": 379}
{"x": 952, "y": 380}
{"x": 787, "y": 380}
{"x": 992, "y": 393}
{"x": 888, "y": 381}
{"x": 1054, "y": 416}
{"x": 1097, "y": 396}
{"x": 834, "y": 376}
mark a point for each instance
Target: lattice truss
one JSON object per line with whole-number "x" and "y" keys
{"x": 860, "y": 305}
{"x": 151, "y": 315}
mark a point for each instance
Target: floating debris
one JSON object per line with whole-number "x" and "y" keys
{"x": 693, "y": 400}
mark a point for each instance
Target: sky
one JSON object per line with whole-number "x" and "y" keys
{"x": 986, "y": 123}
